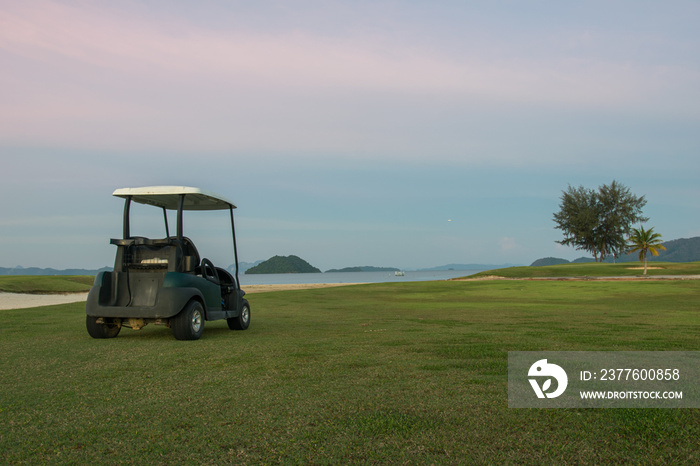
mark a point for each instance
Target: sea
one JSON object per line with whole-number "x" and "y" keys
{"x": 352, "y": 277}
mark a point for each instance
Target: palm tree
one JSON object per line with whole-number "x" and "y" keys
{"x": 645, "y": 240}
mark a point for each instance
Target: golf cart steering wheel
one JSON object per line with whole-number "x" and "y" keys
{"x": 209, "y": 271}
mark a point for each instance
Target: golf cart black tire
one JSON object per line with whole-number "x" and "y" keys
{"x": 189, "y": 323}
{"x": 243, "y": 320}
{"x": 105, "y": 330}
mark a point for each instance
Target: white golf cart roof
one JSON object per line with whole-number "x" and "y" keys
{"x": 168, "y": 197}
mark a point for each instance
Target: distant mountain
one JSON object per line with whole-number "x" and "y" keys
{"x": 549, "y": 261}
{"x": 19, "y": 270}
{"x": 242, "y": 266}
{"x": 364, "y": 268}
{"x": 283, "y": 264}
{"x": 677, "y": 250}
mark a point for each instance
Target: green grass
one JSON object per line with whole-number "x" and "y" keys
{"x": 45, "y": 283}
{"x": 400, "y": 373}
{"x": 626, "y": 269}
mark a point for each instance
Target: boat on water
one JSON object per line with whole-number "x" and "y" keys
{"x": 399, "y": 273}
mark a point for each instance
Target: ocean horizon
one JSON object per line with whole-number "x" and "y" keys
{"x": 351, "y": 277}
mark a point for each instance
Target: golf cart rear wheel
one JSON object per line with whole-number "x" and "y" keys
{"x": 189, "y": 323}
{"x": 243, "y": 320}
{"x": 108, "y": 329}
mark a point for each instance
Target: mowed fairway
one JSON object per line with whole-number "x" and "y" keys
{"x": 402, "y": 373}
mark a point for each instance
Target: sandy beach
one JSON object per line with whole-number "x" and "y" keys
{"x": 298, "y": 286}
{"x": 23, "y": 301}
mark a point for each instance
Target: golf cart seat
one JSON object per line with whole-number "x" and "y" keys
{"x": 190, "y": 255}
{"x": 145, "y": 254}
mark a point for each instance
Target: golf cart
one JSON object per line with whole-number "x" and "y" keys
{"x": 164, "y": 281}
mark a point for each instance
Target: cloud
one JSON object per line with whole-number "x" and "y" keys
{"x": 118, "y": 40}
{"x": 109, "y": 76}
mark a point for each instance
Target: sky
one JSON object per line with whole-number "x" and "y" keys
{"x": 390, "y": 133}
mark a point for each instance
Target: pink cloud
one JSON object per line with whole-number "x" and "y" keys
{"x": 93, "y": 75}
{"x": 120, "y": 40}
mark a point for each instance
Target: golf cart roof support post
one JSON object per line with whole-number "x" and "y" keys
{"x": 235, "y": 250}
{"x": 127, "y": 208}
{"x": 180, "y": 208}
{"x": 165, "y": 216}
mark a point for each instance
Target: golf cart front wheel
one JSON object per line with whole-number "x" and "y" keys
{"x": 107, "y": 329}
{"x": 189, "y": 323}
{"x": 243, "y": 320}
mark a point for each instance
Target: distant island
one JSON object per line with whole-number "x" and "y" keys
{"x": 283, "y": 264}
{"x": 364, "y": 268}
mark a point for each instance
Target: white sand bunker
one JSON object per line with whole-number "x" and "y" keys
{"x": 22, "y": 300}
